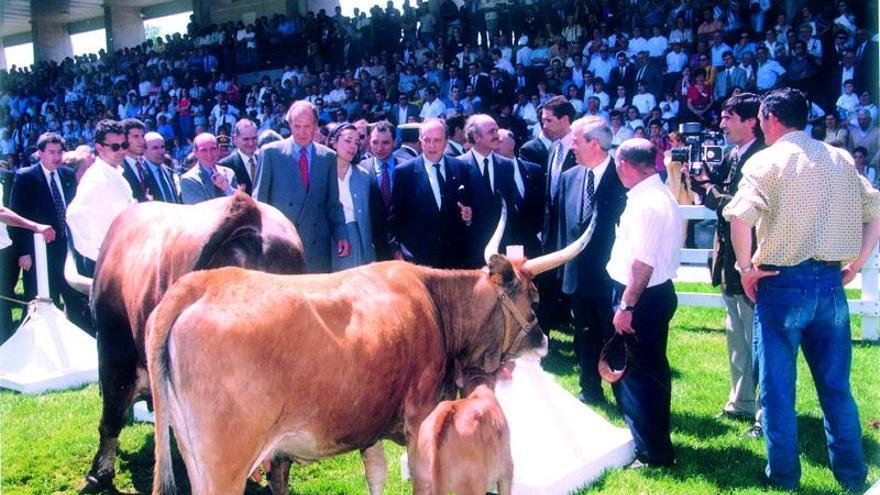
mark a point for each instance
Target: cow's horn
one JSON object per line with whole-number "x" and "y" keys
{"x": 550, "y": 261}
{"x": 495, "y": 241}
{"x": 74, "y": 279}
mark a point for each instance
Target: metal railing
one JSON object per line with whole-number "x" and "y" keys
{"x": 868, "y": 307}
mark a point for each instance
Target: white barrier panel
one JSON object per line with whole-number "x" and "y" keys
{"x": 47, "y": 352}
{"x": 868, "y": 307}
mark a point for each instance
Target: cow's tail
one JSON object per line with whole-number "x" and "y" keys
{"x": 158, "y": 333}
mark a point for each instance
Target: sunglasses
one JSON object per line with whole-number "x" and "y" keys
{"x": 114, "y": 147}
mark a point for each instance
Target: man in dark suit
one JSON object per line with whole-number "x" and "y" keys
{"x": 403, "y": 111}
{"x": 455, "y": 135}
{"x": 537, "y": 150}
{"x": 739, "y": 120}
{"x": 480, "y": 82}
{"x": 160, "y": 179}
{"x": 381, "y": 166}
{"x": 623, "y": 75}
{"x": 42, "y": 193}
{"x": 429, "y": 213}
{"x": 530, "y": 183}
{"x": 844, "y": 72}
{"x": 243, "y": 160}
{"x": 587, "y": 192}
{"x": 410, "y": 147}
{"x": 556, "y": 117}
{"x": 490, "y": 180}
{"x": 522, "y": 81}
{"x": 133, "y": 165}
{"x": 648, "y": 71}
{"x": 298, "y": 176}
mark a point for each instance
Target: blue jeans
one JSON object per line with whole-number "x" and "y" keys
{"x": 804, "y": 306}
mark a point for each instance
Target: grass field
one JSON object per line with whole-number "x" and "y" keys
{"x": 46, "y": 442}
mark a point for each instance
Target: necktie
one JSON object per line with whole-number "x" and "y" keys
{"x": 141, "y": 176}
{"x": 727, "y": 80}
{"x": 160, "y": 181}
{"x": 556, "y": 169}
{"x": 587, "y": 197}
{"x": 170, "y": 194}
{"x": 641, "y": 74}
{"x": 304, "y": 168}
{"x": 386, "y": 184}
{"x": 486, "y": 179}
{"x": 441, "y": 182}
{"x": 60, "y": 210}
{"x": 253, "y": 166}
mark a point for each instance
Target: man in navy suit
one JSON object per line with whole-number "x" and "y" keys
{"x": 298, "y": 176}
{"x": 381, "y": 166}
{"x": 537, "y": 150}
{"x": 133, "y": 168}
{"x": 403, "y": 111}
{"x": 590, "y": 190}
{"x": 429, "y": 208}
{"x": 243, "y": 161}
{"x": 529, "y": 180}
{"x": 160, "y": 179}
{"x": 490, "y": 180}
{"x": 41, "y": 193}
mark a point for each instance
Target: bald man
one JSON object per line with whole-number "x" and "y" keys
{"x": 207, "y": 180}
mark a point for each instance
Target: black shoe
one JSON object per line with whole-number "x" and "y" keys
{"x": 737, "y": 416}
{"x": 755, "y": 432}
{"x": 592, "y": 399}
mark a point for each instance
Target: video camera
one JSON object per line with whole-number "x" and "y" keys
{"x": 695, "y": 151}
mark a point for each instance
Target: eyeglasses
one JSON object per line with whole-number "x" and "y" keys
{"x": 114, "y": 147}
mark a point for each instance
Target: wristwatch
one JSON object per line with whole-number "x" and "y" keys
{"x": 625, "y": 307}
{"x": 745, "y": 270}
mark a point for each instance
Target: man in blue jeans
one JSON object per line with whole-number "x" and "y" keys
{"x": 814, "y": 214}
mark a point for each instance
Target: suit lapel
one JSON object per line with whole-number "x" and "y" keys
{"x": 423, "y": 185}
{"x": 299, "y": 190}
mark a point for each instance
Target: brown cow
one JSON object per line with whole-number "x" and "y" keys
{"x": 148, "y": 247}
{"x": 464, "y": 445}
{"x": 308, "y": 366}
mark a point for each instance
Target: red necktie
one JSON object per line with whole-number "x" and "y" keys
{"x": 304, "y": 167}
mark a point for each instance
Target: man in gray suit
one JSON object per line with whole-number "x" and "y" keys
{"x": 727, "y": 78}
{"x": 298, "y": 176}
{"x": 206, "y": 180}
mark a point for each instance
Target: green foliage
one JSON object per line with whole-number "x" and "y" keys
{"x": 47, "y": 442}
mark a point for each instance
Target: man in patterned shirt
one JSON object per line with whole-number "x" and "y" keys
{"x": 804, "y": 198}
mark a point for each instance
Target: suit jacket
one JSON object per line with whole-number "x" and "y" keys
{"x": 653, "y": 78}
{"x": 365, "y": 197}
{"x": 486, "y": 208}
{"x": 31, "y": 198}
{"x": 154, "y": 188}
{"x": 716, "y": 198}
{"x": 379, "y": 211}
{"x": 196, "y": 184}
{"x": 549, "y": 235}
{"x": 452, "y": 151}
{"x": 242, "y": 174}
{"x": 425, "y": 234}
{"x": 628, "y": 80}
{"x": 411, "y": 111}
{"x": 586, "y": 274}
{"x": 535, "y": 151}
{"x": 721, "y": 89}
{"x": 530, "y": 220}
{"x": 836, "y": 79}
{"x": 483, "y": 88}
{"x": 404, "y": 154}
{"x": 131, "y": 176}
{"x": 316, "y": 212}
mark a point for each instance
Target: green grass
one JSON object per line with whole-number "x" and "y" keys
{"x": 46, "y": 442}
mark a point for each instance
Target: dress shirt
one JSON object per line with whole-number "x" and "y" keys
{"x": 517, "y": 177}
{"x": 649, "y": 231}
{"x": 432, "y": 178}
{"x": 479, "y": 159}
{"x": 657, "y": 46}
{"x": 768, "y": 74}
{"x": 48, "y": 174}
{"x": 246, "y": 161}
{"x": 432, "y": 109}
{"x": 345, "y": 197}
{"x": 102, "y": 194}
{"x": 796, "y": 179}
{"x": 165, "y": 181}
{"x": 598, "y": 172}
{"x": 676, "y": 62}
{"x": 402, "y": 114}
{"x": 377, "y": 168}
{"x": 620, "y": 135}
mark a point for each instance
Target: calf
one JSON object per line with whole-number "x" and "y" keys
{"x": 464, "y": 445}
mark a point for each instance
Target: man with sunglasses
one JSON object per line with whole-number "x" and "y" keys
{"x": 101, "y": 194}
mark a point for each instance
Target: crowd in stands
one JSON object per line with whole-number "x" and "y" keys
{"x": 636, "y": 64}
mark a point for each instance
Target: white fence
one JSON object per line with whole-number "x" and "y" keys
{"x": 868, "y": 307}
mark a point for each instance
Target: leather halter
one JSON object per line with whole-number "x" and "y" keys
{"x": 513, "y": 319}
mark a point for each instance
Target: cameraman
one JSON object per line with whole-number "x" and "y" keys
{"x": 739, "y": 121}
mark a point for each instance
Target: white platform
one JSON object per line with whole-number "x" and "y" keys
{"x": 47, "y": 352}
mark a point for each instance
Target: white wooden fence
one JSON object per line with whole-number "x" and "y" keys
{"x": 868, "y": 306}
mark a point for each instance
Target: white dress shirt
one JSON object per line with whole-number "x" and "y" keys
{"x": 432, "y": 178}
{"x": 48, "y": 175}
{"x": 649, "y": 231}
{"x": 345, "y": 197}
{"x": 102, "y": 194}
{"x": 247, "y": 165}
{"x": 517, "y": 177}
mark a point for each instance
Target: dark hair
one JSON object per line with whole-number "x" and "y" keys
{"x": 105, "y": 127}
{"x": 47, "y": 138}
{"x": 860, "y": 149}
{"x": 382, "y": 126}
{"x": 746, "y": 106}
{"x": 344, "y": 126}
{"x": 789, "y": 105}
{"x": 560, "y": 107}
{"x": 129, "y": 124}
{"x": 453, "y": 123}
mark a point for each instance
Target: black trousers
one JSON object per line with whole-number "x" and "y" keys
{"x": 592, "y": 323}
{"x": 644, "y": 393}
{"x": 8, "y": 278}
{"x": 76, "y": 305}
{"x": 554, "y": 310}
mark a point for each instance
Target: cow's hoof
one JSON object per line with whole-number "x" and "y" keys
{"x": 96, "y": 485}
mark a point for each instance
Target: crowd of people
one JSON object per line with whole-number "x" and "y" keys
{"x": 401, "y": 134}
